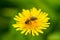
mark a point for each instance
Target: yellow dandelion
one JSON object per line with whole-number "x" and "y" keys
{"x": 31, "y": 21}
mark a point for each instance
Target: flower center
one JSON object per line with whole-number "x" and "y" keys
{"x": 28, "y": 21}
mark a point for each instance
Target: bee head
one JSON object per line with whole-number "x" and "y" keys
{"x": 27, "y": 21}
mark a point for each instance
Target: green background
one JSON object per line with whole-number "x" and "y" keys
{"x": 9, "y": 8}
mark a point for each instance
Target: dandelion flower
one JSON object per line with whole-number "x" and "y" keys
{"x": 31, "y": 21}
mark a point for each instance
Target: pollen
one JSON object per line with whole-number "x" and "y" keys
{"x": 31, "y": 21}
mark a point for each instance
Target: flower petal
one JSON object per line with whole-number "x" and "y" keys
{"x": 35, "y": 12}
{"x": 27, "y": 32}
{"x": 26, "y": 13}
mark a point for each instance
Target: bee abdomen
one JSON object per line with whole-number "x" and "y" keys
{"x": 33, "y": 18}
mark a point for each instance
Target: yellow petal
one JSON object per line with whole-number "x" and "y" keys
{"x": 26, "y": 13}
{"x": 33, "y": 33}
{"x": 45, "y": 20}
{"x": 15, "y": 25}
{"x": 42, "y": 15}
{"x": 27, "y": 32}
{"x": 23, "y": 31}
{"x": 36, "y": 32}
{"x": 44, "y": 28}
{"x": 35, "y": 12}
{"x": 41, "y": 32}
{"x": 17, "y": 18}
{"x": 20, "y": 15}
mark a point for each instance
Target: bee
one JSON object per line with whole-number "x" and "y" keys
{"x": 33, "y": 18}
{"x": 29, "y": 20}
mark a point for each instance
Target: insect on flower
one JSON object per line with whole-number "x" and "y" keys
{"x": 31, "y": 21}
{"x": 27, "y": 21}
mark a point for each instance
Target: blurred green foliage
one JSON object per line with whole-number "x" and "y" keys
{"x": 9, "y": 8}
